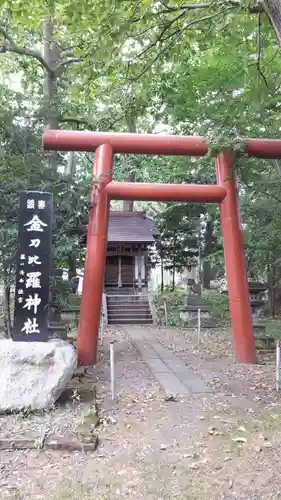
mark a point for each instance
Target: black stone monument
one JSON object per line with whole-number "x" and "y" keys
{"x": 33, "y": 267}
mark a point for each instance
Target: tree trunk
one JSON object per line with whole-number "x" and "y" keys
{"x": 173, "y": 278}
{"x": 162, "y": 272}
{"x": 7, "y": 312}
{"x": 273, "y": 10}
{"x": 71, "y": 266}
{"x": 128, "y": 205}
{"x": 51, "y": 56}
{"x": 207, "y": 272}
{"x": 70, "y": 168}
{"x": 50, "y": 87}
{"x": 271, "y": 289}
{"x": 208, "y": 246}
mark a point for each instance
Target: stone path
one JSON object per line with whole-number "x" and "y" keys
{"x": 171, "y": 372}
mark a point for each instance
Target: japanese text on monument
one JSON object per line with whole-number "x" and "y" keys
{"x": 33, "y": 269}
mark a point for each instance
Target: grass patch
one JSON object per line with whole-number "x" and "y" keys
{"x": 273, "y": 328}
{"x": 218, "y": 303}
{"x": 174, "y": 302}
{"x": 86, "y": 430}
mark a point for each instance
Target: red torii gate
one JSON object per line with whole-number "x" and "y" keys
{"x": 104, "y": 189}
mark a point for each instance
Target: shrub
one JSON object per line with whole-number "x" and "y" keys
{"x": 217, "y": 302}
{"x": 174, "y": 300}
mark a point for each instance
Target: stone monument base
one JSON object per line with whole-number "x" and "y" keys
{"x": 189, "y": 317}
{"x": 34, "y": 374}
{"x": 262, "y": 341}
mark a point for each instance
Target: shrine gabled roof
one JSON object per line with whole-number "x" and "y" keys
{"x": 131, "y": 227}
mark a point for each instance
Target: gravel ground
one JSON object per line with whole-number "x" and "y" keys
{"x": 220, "y": 446}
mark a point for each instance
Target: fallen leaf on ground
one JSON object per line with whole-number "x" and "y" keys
{"x": 258, "y": 448}
{"x": 194, "y": 466}
{"x": 241, "y": 428}
{"x": 170, "y": 398}
{"x": 122, "y": 472}
{"x": 239, "y": 439}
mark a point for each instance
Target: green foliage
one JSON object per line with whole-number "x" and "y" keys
{"x": 28, "y": 413}
{"x": 174, "y": 302}
{"x": 19, "y": 159}
{"x": 22, "y": 167}
{"x": 218, "y": 303}
{"x": 59, "y": 293}
{"x": 187, "y": 234}
{"x": 273, "y": 328}
{"x": 178, "y": 225}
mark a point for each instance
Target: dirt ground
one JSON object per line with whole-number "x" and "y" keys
{"x": 219, "y": 446}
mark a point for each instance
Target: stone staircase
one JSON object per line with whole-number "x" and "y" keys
{"x": 114, "y": 290}
{"x": 128, "y": 310}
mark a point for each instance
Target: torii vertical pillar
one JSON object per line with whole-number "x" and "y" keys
{"x": 95, "y": 258}
{"x": 238, "y": 293}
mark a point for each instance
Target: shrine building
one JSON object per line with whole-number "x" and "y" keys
{"x": 130, "y": 237}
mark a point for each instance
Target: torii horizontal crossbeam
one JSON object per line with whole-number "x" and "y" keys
{"x": 75, "y": 140}
{"x": 165, "y": 192}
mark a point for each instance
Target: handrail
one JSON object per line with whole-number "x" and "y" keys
{"x": 104, "y": 309}
{"x": 134, "y": 284}
{"x": 134, "y": 296}
{"x": 153, "y": 310}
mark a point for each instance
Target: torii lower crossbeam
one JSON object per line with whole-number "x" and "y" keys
{"x": 165, "y": 192}
{"x": 224, "y": 193}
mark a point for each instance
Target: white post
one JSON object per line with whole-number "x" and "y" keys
{"x": 112, "y": 370}
{"x": 102, "y": 328}
{"x": 119, "y": 271}
{"x": 277, "y": 365}
{"x": 199, "y": 325}
{"x": 166, "y": 312}
{"x": 139, "y": 273}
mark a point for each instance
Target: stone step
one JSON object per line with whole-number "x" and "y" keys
{"x": 126, "y": 300}
{"x": 128, "y": 314}
{"x": 129, "y": 307}
{"x": 129, "y": 321}
{"x": 128, "y": 293}
{"x": 117, "y": 291}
